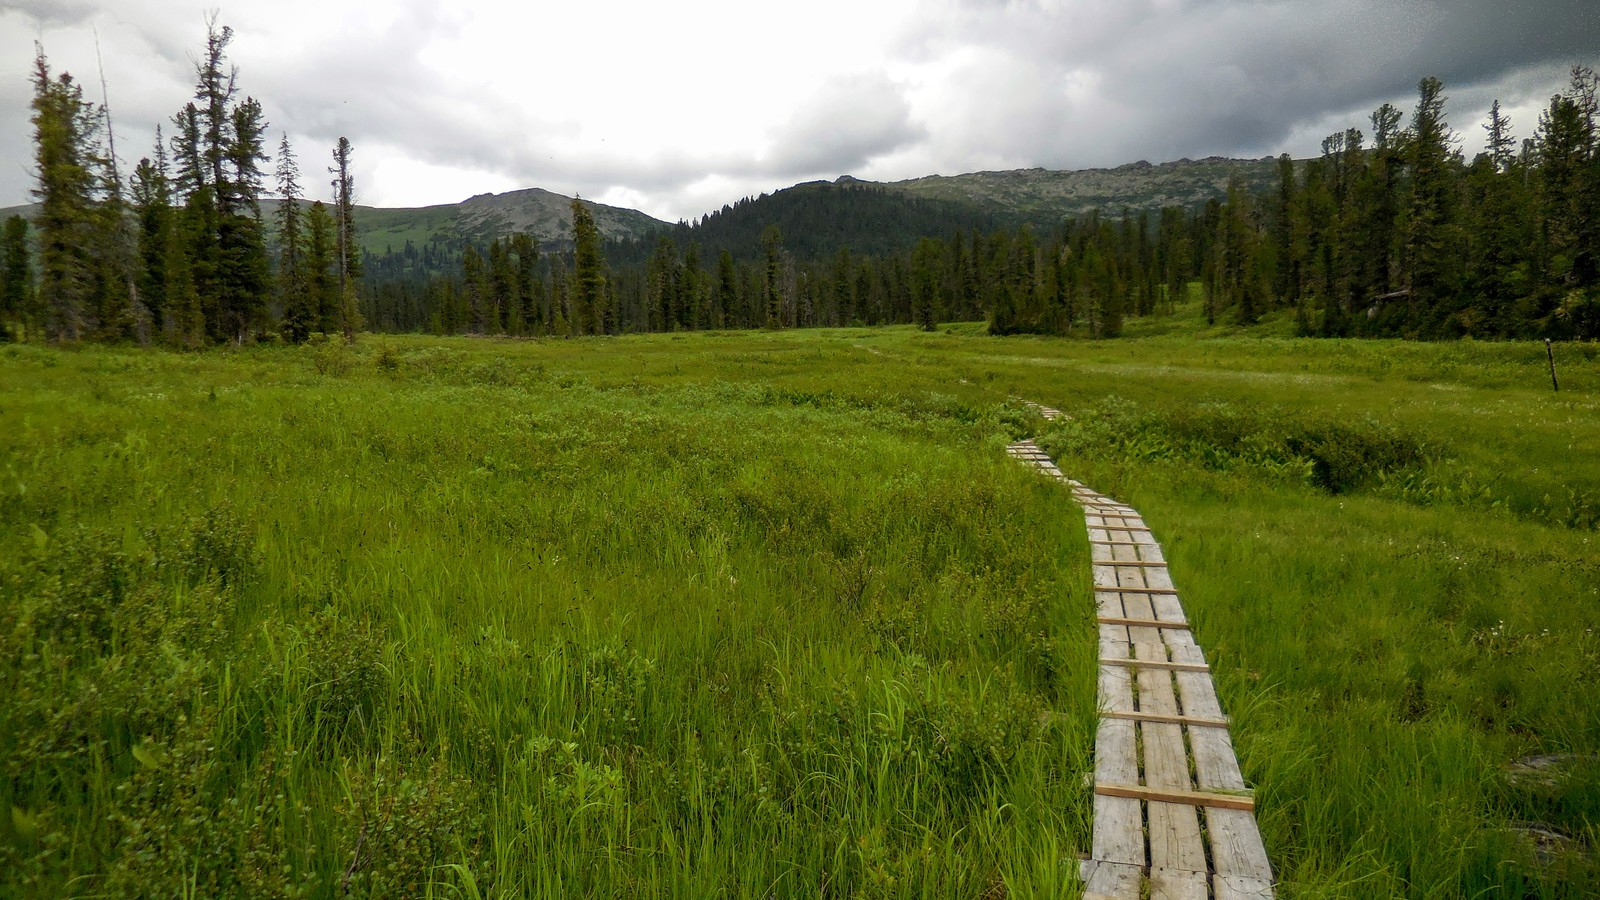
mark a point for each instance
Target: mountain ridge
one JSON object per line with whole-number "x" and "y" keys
{"x": 1037, "y": 195}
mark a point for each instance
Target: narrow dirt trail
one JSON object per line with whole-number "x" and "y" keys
{"x": 1173, "y": 819}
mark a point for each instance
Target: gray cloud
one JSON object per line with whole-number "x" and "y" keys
{"x": 964, "y": 85}
{"x": 1225, "y": 76}
{"x": 52, "y": 12}
{"x": 846, "y": 123}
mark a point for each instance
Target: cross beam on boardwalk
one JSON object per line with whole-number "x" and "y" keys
{"x": 1173, "y": 819}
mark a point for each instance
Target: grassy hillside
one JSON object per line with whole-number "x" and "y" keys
{"x": 770, "y": 613}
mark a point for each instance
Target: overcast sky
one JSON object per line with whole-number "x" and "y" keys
{"x": 678, "y": 108}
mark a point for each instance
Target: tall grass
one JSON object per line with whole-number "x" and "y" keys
{"x": 458, "y": 619}
{"x": 770, "y": 614}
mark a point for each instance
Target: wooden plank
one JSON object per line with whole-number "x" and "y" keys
{"x": 1174, "y": 718}
{"x": 1118, "y": 835}
{"x": 1116, "y": 693}
{"x": 1208, "y": 799}
{"x": 1127, "y": 589}
{"x": 1140, "y": 529}
{"x": 1236, "y": 847}
{"x": 1114, "y": 644}
{"x": 1152, "y": 545}
{"x": 1168, "y": 607}
{"x": 1116, "y": 881}
{"x": 1155, "y": 664}
{"x": 1115, "y": 761}
{"x": 1215, "y": 765}
{"x": 1132, "y": 563}
{"x": 1177, "y": 884}
{"x": 1174, "y": 829}
{"x": 1236, "y": 887}
{"x": 1144, "y": 623}
{"x": 1146, "y": 640}
{"x": 1119, "y": 839}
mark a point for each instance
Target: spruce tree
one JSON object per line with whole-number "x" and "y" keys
{"x": 16, "y": 281}
{"x": 300, "y": 312}
{"x": 244, "y": 276}
{"x": 661, "y": 286}
{"x": 844, "y": 288}
{"x": 528, "y": 289}
{"x": 1499, "y": 232}
{"x": 694, "y": 308}
{"x": 67, "y": 154}
{"x": 772, "y": 283}
{"x": 153, "y": 212}
{"x": 184, "y": 322}
{"x": 1431, "y": 240}
{"x": 349, "y": 260}
{"x": 925, "y": 284}
{"x": 322, "y": 281}
{"x": 724, "y": 311}
{"x": 475, "y": 286}
{"x": 588, "y": 288}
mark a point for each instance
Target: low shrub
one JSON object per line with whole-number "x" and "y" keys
{"x": 1333, "y": 455}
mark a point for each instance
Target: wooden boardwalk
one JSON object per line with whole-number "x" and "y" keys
{"x": 1173, "y": 819}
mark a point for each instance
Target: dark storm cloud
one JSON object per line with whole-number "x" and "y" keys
{"x": 1193, "y": 78}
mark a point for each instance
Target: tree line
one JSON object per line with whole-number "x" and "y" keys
{"x": 177, "y": 253}
{"x": 1397, "y": 237}
{"x": 1395, "y": 234}
{"x": 1392, "y": 234}
{"x": 1403, "y": 236}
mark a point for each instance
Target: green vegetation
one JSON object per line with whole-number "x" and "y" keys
{"x": 771, "y": 612}
{"x": 569, "y": 619}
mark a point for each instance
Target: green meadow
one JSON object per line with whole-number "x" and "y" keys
{"x": 771, "y": 614}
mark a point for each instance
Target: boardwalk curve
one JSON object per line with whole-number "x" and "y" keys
{"x": 1173, "y": 819}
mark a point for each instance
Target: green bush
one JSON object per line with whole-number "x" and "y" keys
{"x": 1331, "y": 454}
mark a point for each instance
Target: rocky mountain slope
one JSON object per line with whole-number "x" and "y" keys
{"x": 1045, "y": 195}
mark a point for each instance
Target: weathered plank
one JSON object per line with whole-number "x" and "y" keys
{"x": 1240, "y": 887}
{"x": 1188, "y": 721}
{"x": 1152, "y": 546}
{"x": 1235, "y": 802}
{"x": 1156, "y": 664}
{"x": 1177, "y": 884}
{"x": 1147, "y": 623}
{"x": 1119, "y": 881}
{"x": 1174, "y": 827}
{"x": 1237, "y": 850}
